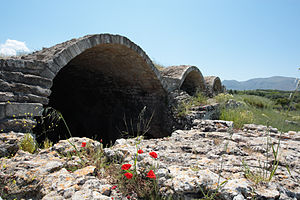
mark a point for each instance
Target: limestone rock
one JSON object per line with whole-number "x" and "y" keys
{"x": 189, "y": 163}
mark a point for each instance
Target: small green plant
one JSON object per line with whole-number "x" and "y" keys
{"x": 223, "y": 97}
{"x": 28, "y": 143}
{"x": 142, "y": 126}
{"x": 199, "y": 99}
{"x": 183, "y": 109}
{"x": 47, "y": 143}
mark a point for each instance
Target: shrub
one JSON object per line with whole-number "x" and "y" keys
{"x": 199, "y": 99}
{"x": 297, "y": 106}
{"x": 238, "y": 116}
{"x": 28, "y": 143}
{"x": 47, "y": 143}
{"x": 222, "y": 98}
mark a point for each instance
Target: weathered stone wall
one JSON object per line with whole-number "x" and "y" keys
{"x": 24, "y": 88}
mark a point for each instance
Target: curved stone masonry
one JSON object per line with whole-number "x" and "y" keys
{"x": 96, "y": 81}
{"x": 103, "y": 77}
{"x": 184, "y": 77}
{"x": 214, "y": 85}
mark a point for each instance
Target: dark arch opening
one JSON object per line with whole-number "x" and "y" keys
{"x": 101, "y": 86}
{"x": 192, "y": 83}
{"x": 217, "y": 86}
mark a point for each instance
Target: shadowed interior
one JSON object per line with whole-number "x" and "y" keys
{"x": 217, "y": 86}
{"x": 193, "y": 83}
{"x": 101, "y": 86}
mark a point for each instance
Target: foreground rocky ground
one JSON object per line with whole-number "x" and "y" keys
{"x": 188, "y": 161}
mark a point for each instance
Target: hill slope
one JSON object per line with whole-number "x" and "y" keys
{"x": 274, "y": 83}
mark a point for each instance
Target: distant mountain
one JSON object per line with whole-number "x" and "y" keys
{"x": 274, "y": 83}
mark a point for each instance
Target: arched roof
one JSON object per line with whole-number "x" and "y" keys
{"x": 61, "y": 54}
{"x": 176, "y": 76}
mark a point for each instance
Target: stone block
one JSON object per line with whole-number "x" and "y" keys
{"x": 23, "y": 109}
{"x": 2, "y": 110}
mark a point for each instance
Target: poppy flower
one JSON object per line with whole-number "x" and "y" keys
{"x": 113, "y": 187}
{"x": 140, "y": 151}
{"x": 151, "y": 174}
{"x": 101, "y": 140}
{"x": 83, "y": 144}
{"x": 153, "y": 154}
{"x": 126, "y": 166}
{"x": 128, "y": 175}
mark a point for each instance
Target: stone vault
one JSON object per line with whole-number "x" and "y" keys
{"x": 96, "y": 82}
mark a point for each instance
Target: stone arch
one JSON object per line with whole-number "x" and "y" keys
{"x": 99, "y": 79}
{"x": 184, "y": 77}
{"x": 214, "y": 85}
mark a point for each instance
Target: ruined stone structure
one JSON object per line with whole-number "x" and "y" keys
{"x": 96, "y": 81}
{"x": 214, "y": 85}
{"x": 184, "y": 77}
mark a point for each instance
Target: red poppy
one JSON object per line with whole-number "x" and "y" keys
{"x": 83, "y": 144}
{"x": 126, "y": 166}
{"x": 153, "y": 154}
{"x": 101, "y": 141}
{"x": 128, "y": 175}
{"x": 128, "y": 197}
{"x": 140, "y": 151}
{"x": 113, "y": 187}
{"x": 151, "y": 174}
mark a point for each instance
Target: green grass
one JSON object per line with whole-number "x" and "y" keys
{"x": 239, "y": 116}
{"x": 260, "y": 110}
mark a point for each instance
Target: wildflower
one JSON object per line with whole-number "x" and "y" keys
{"x": 126, "y": 166}
{"x": 101, "y": 141}
{"x": 128, "y": 197}
{"x": 151, "y": 174}
{"x": 128, "y": 175}
{"x": 83, "y": 144}
{"x": 153, "y": 154}
{"x": 113, "y": 187}
{"x": 140, "y": 151}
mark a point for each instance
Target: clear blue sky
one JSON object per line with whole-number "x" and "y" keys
{"x": 232, "y": 39}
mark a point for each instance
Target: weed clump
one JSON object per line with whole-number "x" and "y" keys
{"x": 28, "y": 143}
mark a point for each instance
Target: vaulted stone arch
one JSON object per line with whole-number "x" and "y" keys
{"x": 96, "y": 81}
{"x": 214, "y": 85}
{"x": 184, "y": 77}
